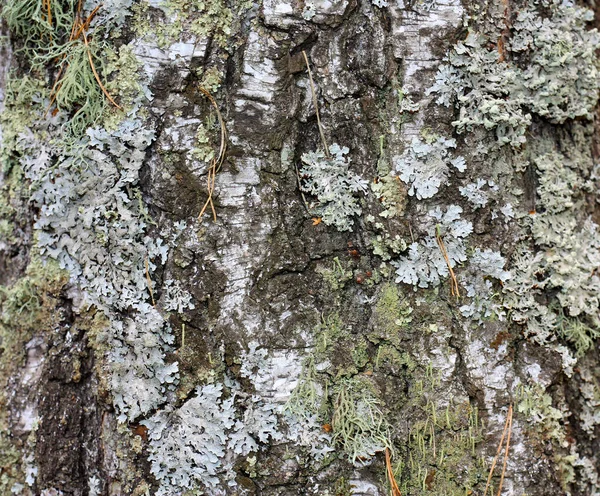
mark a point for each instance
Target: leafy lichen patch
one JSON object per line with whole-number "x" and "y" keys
{"x": 558, "y": 81}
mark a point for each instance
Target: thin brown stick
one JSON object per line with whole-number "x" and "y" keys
{"x": 55, "y": 89}
{"x": 390, "y": 474}
{"x": 149, "y": 281}
{"x": 77, "y": 20}
{"x": 454, "y": 289}
{"x": 314, "y": 98}
{"x": 509, "y": 417}
{"x": 84, "y": 26}
{"x": 89, "y": 53}
{"x": 498, "y": 451}
{"x": 216, "y": 162}
{"x": 48, "y": 5}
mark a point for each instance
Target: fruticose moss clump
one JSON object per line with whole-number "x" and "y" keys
{"x": 64, "y": 46}
{"x": 358, "y": 421}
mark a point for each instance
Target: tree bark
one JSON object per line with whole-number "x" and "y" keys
{"x": 341, "y": 247}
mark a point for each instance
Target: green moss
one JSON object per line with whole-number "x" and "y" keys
{"x": 439, "y": 456}
{"x": 27, "y": 307}
{"x": 337, "y": 275}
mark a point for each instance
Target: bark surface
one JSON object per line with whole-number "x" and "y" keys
{"x": 394, "y": 273}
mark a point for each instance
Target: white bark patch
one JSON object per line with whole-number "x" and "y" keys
{"x": 412, "y": 36}
{"x": 178, "y": 55}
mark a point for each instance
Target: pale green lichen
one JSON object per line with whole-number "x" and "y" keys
{"x": 558, "y": 80}
{"x": 569, "y": 252}
{"x": 549, "y": 424}
{"x": 328, "y": 178}
{"x": 425, "y": 263}
{"x": 425, "y": 165}
{"x": 203, "y": 19}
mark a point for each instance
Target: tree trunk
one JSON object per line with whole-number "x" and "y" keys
{"x": 341, "y": 247}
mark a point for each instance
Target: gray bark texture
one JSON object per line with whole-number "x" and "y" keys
{"x": 294, "y": 247}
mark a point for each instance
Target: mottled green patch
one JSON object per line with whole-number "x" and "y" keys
{"x": 337, "y": 274}
{"x": 203, "y": 149}
{"x": 392, "y": 314}
{"x": 546, "y": 425}
{"x": 27, "y": 307}
{"x": 123, "y": 74}
{"x": 439, "y": 456}
{"x": 23, "y": 93}
{"x": 203, "y": 18}
{"x": 210, "y": 79}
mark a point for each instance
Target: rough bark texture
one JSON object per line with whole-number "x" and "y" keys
{"x": 285, "y": 347}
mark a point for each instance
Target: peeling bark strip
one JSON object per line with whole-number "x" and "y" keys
{"x": 389, "y": 314}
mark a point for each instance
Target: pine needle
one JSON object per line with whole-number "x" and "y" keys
{"x": 454, "y": 290}
{"x": 89, "y": 53}
{"x": 314, "y": 98}
{"x": 48, "y": 5}
{"x": 216, "y": 162}
{"x": 149, "y": 281}
{"x": 507, "y": 429}
{"x": 390, "y": 473}
{"x": 509, "y": 416}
